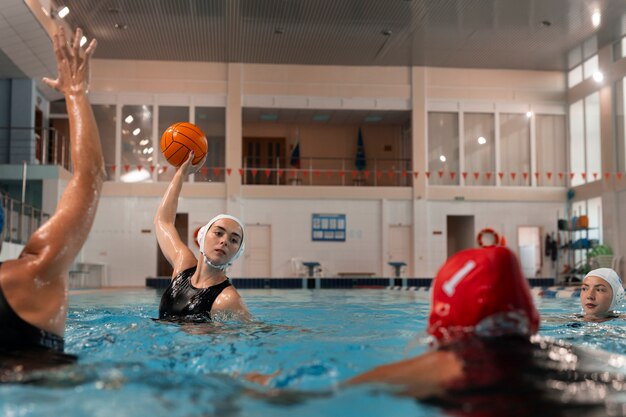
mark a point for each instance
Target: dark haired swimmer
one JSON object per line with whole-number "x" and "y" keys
{"x": 199, "y": 286}
{"x": 487, "y": 361}
{"x": 34, "y": 287}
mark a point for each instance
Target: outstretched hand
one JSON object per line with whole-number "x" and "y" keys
{"x": 187, "y": 167}
{"x": 72, "y": 63}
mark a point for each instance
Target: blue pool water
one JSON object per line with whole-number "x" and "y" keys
{"x": 131, "y": 365}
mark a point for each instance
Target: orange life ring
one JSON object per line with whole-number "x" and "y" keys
{"x": 488, "y": 230}
{"x": 195, "y": 236}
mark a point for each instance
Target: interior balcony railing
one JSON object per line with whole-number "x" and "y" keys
{"x": 51, "y": 146}
{"x": 21, "y": 220}
{"x": 372, "y": 172}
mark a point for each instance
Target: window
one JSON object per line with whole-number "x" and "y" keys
{"x": 550, "y": 140}
{"x": 137, "y": 147}
{"x": 443, "y": 148}
{"x": 212, "y": 121}
{"x": 585, "y": 140}
{"x": 514, "y": 149}
{"x": 479, "y": 148}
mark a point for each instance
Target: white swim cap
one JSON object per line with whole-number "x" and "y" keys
{"x": 614, "y": 281}
{"x": 202, "y": 234}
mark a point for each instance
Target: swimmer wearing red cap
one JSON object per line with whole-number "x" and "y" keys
{"x": 487, "y": 361}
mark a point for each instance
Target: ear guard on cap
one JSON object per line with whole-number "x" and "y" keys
{"x": 481, "y": 292}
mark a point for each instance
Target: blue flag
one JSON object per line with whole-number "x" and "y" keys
{"x": 295, "y": 155}
{"x": 359, "y": 160}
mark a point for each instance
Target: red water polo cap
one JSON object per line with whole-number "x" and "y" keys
{"x": 481, "y": 291}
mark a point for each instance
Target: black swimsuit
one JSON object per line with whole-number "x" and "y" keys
{"x": 15, "y": 333}
{"x": 182, "y": 299}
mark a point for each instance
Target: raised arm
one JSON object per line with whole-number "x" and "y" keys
{"x": 176, "y": 252}
{"x": 55, "y": 245}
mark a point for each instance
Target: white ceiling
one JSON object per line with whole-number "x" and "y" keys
{"x": 507, "y": 34}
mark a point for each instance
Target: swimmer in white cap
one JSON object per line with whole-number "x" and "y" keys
{"x": 199, "y": 286}
{"x": 601, "y": 294}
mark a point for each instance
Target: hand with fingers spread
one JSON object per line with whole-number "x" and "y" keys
{"x": 72, "y": 63}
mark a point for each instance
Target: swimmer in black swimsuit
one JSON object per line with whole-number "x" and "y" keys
{"x": 33, "y": 287}
{"x": 199, "y": 287}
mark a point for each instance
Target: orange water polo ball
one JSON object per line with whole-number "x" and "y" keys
{"x": 181, "y": 138}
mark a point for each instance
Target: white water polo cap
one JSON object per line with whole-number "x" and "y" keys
{"x": 614, "y": 281}
{"x": 202, "y": 234}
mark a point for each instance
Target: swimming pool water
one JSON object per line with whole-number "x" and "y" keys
{"x": 132, "y": 365}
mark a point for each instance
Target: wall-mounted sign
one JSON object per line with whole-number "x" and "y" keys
{"x": 328, "y": 227}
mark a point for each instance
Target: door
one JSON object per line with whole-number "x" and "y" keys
{"x": 257, "y": 257}
{"x": 460, "y": 233}
{"x": 164, "y": 269}
{"x": 400, "y": 249}
{"x": 260, "y": 154}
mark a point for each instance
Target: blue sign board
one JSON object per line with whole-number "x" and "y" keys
{"x": 328, "y": 227}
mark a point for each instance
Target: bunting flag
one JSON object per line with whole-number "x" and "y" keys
{"x": 113, "y": 168}
{"x": 390, "y": 173}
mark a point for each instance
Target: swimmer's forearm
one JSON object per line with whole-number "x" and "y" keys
{"x": 85, "y": 139}
{"x": 166, "y": 213}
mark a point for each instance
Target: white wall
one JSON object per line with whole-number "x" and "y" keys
{"x": 123, "y": 235}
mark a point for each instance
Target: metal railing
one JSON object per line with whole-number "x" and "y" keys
{"x": 51, "y": 146}
{"x": 373, "y": 172}
{"x": 21, "y": 220}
